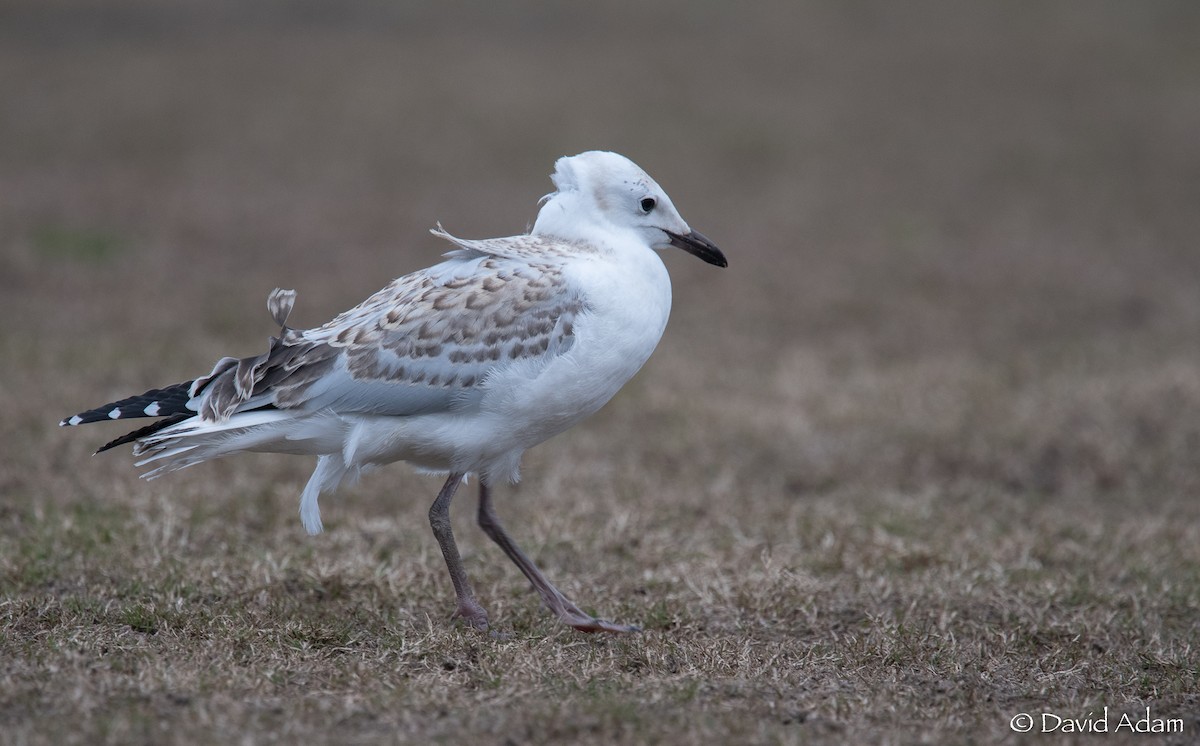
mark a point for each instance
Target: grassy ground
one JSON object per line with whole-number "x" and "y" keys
{"x": 924, "y": 458}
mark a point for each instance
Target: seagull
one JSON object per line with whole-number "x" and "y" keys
{"x": 457, "y": 369}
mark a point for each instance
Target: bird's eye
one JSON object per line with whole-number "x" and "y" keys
{"x": 648, "y": 204}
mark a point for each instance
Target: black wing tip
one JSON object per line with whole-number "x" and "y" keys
{"x": 142, "y": 432}
{"x": 165, "y": 402}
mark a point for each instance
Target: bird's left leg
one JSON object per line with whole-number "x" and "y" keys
{"x": 568, "y": 612}
{"x": 469, "y": 609}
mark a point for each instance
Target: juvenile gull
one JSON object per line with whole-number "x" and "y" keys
{"x": 456, "y": 369}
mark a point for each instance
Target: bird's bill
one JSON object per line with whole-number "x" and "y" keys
{"x": 697, "y": 245}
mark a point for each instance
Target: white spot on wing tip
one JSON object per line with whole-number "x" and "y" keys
{"x": 151, "y": 410}
{"x": 75, "y": 420}
{"x": 115, "y": 414}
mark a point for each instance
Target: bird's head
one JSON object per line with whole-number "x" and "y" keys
{"x": 609, "y": 190}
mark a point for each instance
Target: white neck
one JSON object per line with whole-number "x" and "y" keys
{"x": 563, "y": 217}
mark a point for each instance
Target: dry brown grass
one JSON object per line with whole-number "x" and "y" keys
{"x": 923, "y": 458}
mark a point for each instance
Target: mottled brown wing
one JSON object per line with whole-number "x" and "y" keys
{"x": 429, "y": 341}
{"x": 426, "y": 342}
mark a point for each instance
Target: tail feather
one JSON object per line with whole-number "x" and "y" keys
{"x": 164, "y": 402}
{"x": 191, "y": 441}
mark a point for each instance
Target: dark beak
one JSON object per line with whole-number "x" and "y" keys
{"x": 697, "y": 245}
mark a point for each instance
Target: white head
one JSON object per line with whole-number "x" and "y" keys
{"x": 598, "y": 189}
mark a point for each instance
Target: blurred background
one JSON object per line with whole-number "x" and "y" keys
{"x": 957, "y": 225}
{"x": 960, "y": 326}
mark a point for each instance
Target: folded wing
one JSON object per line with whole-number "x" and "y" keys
{"x": 427, "y": 342}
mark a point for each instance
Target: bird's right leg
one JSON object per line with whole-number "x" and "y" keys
{"x": 562, "y": 606}
{"x": 469, "y": 609}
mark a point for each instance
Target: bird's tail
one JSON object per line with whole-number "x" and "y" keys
{"x": 191, "y": 441}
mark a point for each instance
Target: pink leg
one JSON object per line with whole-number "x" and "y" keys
{"x": 469, "y": 610}
{"x": 568, "y": 612}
